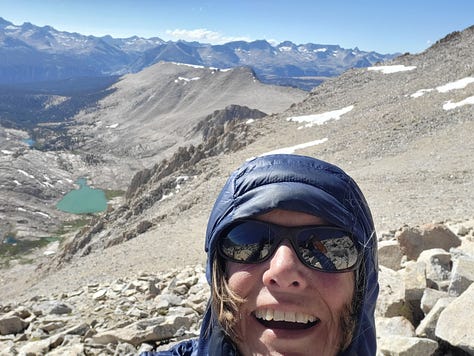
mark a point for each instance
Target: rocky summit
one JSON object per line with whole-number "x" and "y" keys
{"x": 401, "y": 129}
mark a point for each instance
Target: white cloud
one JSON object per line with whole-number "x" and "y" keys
{"x": 202, "y": 35}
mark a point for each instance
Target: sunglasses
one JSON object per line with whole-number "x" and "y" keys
{"x": 323, "y": 248}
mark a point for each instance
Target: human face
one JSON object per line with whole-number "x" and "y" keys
{"x": 283, "y": 285}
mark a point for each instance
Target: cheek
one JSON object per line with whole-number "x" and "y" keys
{"x": 337, "y": 289}
{"x": 242, "y": 278}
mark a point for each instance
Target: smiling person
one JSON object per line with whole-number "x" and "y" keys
{"x": 292, "y": 264}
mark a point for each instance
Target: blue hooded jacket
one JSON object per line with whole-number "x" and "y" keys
{"x": 296, "y": 183}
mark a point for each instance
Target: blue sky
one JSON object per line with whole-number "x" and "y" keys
{"x": 382, "y": 26}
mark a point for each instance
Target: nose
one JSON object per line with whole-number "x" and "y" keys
{"x": 285, "y": 270}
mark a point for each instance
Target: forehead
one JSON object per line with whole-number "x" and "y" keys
{"x": 290, "y": 218}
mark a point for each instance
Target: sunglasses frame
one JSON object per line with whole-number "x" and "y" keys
{"x": 289, "y": 233}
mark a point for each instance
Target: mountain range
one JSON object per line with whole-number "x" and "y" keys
{"x": 401, "y": 129}
{"x": 169, "y": 135}
{"x": 43, "y": 54}
{"x": 177, "y": 130}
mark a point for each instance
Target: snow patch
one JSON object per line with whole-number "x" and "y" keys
{"x": 47, "y": 184}
{"x": 113, "y": 126}
{"x": 392, "y": 69}
{"x": 420, "y": 92}
{"x": 319, "y": 119}
{"x": 25, "y": 174}
{"x": 179, "y": 181}
{"x": 7, "y": 152}
{"x": 449, "y": 105}
{"x": 292, "y": 149}
{"x": 202, "y": 67}
{"x": 184, "y": 79}
{"x": 166, "y": 196}
{"x": 249, "y": 121}
{"x": 12, "y": 28}
{"x": 458, "y": 84}
{"x": 42, "y": 214}
{"x": 52, "y": 248}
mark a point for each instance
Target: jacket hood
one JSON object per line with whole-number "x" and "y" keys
{"x": 308, "y": 185}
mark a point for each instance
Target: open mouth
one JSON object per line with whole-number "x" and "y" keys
{"x": 276, "y": 319}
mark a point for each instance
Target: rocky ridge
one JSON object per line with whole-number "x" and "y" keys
{"x": 152, "y": 186}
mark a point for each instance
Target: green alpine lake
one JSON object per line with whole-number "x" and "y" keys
{"x": 83, "y": 200}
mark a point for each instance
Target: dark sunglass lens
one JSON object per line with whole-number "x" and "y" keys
{"x": 328, "y": 249}
{"x": 247, "y": 242}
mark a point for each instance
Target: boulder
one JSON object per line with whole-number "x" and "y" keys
{"x": 429, "y": 299}
{"x": 397, "y": 325}
{"x": 438, "y": 264}
{"x": 54, "y": 307}
{"x": 455, "y": 322}
{"x": 7, "y": 348}
{"x": 391, "y": 301}
{"x": 12, "y": 324}
{"x": 462, "y": 276}
{"x": 414, "y": 277}
{"x": 43, "y": 346}
{"x": 413, "y": 241}
{"x": 68, "y": 350}
{"x": 428, "y": 324}
{"x": 390, "y": 254}
{"x": 406, "y": 346}
{"x": 149, "y": 330}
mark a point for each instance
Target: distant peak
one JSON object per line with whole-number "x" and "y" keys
{"x": 261, "y": 43}
{"x": 4, "y": 23}
{"x": 286, "y": 44}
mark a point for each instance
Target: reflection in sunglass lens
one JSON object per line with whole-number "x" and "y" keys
{"x": 247, "y": 243}
{"x": 320, "y": 247}
{"x": 336, "y": 253}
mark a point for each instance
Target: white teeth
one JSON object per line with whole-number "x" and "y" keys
{"x": 289, "y": 316}
{"x": 269, "y": 315}
{"x": 278, "y": 315}
{"x": 300, "y": 318}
